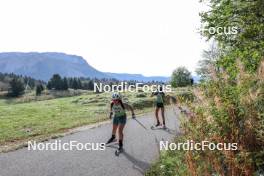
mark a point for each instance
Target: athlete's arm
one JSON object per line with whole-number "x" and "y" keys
{"x": 129, "y": 107}
{"x": 111, "y": 112}
{"x": 163, "y": 96}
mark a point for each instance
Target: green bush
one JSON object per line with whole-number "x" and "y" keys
{"x": 141, "y": 95}
{"x": 185, "y": 96}
{"x": 142, "y": 103}
{"x": 16, "y": 88}
{"x": 181, "y": 77}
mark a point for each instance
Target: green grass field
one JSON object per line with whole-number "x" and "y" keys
{"x": 52, "y": 114}
{"x": 23, "y": 121}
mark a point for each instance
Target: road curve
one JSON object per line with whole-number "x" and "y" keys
{"x": 141, "y": 149}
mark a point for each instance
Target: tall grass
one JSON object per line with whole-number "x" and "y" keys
{"x": 224, "y": 110}
{"x": 230, "y": 111}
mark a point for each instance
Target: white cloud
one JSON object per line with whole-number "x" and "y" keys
{"x": 151, "y": 37}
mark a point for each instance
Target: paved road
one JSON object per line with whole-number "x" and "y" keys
{"x": 141, "y": 149}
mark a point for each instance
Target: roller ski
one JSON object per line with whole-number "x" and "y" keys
{"x": 111, "y": 140}
{"x": 158, "y": 126}
{"x": 120, "y": 148}
{"x": 119, "y": 151}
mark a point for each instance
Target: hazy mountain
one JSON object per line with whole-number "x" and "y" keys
{"x": 43, "y": 65}
{"x": 138, "y": 77}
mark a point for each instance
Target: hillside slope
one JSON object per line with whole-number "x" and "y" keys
{"x": 43, "y": 65}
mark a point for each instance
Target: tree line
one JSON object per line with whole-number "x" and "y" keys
{"x": 16, "y": 85}
{"x": 59, "y": 83}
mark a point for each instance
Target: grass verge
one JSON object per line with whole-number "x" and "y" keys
{"x": 170, "y": 163}
{"x": 50, "y": 118}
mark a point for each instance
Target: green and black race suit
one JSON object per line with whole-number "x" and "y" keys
{"x": 159, "y": 99}
{"x": 119, "y": 113}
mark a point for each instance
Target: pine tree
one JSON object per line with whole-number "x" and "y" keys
{"x": 16, "y": 88}
{"x": 39, "y": 89}
{"x": 65, "y": 85}
{"x": 55, "y": 82}
{"x": 75, "y": 84}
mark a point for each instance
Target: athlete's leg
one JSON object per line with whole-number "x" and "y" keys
{"x": 157, "y": 115}
{"x": 162, "y": 114}
{"x": 113, "y": 134}
{"x": 114, "y": 129}
{"x": 120, "y": 135}
{"x": 120, "y": 131}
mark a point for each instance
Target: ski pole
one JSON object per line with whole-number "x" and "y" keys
{"x": 140, "y": 124}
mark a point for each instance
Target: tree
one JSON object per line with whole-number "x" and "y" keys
{"x": 88, "y": 85}
{"x": 55, "y": 82}
{"x": 65, "y": 84}
{"x": 39, "y": 89}
{"x": 248, "y": 18}
{"x": 70, "y": 82}
{"x": 91, "y": 85}
{"x": 181, "y": 77}
{"x": 230, "y": 106}
{"x": 208, "y": 62}
{"x": 75, "y": 84}
{"x": 49, "y": 85}
{"x": 16, "y": 88}
{"x": 79, "y": 83}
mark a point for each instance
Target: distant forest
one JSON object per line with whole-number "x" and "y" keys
{"x": 16, "y": 85}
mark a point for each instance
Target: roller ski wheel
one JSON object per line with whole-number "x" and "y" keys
{"x": 157, "y": 126}
{"x": 118, "y": 152}
{"x": 153, "y": 127}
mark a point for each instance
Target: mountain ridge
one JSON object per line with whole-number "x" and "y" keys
{"x": 42, "y": 65}
{"x": 139, "y": 77}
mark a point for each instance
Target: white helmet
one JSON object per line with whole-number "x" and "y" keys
{"x": 116, "y": 96}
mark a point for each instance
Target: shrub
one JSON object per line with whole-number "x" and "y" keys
{"x": 16, "y": 88}
{"x": 141, "y": 95}
{"x": 186, "y": 96}
{"x": 181, "y": 77}
{"x": 171, "y": 163}
{"x": 39, "y": 89}
{"x": 142, "y": 103}
{"x": 232, "y": 112}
